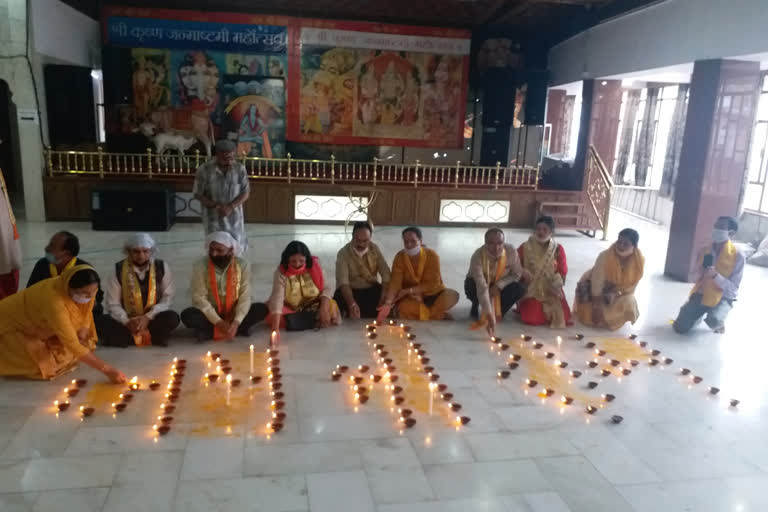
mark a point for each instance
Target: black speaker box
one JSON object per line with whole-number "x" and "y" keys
{"x": 71, "y": 109}
{"x": 116, "y": 66}
{"x": 536, "y": 97}
{"x": 130, "y": 207}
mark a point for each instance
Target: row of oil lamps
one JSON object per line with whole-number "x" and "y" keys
{"x": 176, "y": 379}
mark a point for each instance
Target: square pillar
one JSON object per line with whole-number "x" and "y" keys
{"x": 721, "y": 114}
{"x": 599, "y": 123}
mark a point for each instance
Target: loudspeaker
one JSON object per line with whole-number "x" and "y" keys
{"x": 499, "y": 86}
{"x": 536, "y": 97}
{"x": 129, "y": 207}
{"x": 71, "y": 109}
{"x": 116, "y": 65}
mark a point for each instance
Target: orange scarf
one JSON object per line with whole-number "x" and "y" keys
{"x": 233, "y": 283}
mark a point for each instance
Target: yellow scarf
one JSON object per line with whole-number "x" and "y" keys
{"x": 300, "y": 291}
{"x": 541, "y": 262}
{"x": 132, "y": 300}
{"x": 8, "y": 203}
{"x": 416, "y": 277}
{"x": 501, "y": 265}
{"x": 55, "y": 272}
{"x": 623, "y": 278}
{"x": 711, "y": 295}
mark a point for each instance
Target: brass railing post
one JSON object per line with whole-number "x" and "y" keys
{"x": 416, "y": 175}
{"x": 333, "y": 170}
{"x": 197, "y": 159}
{"x": 498, "y": 167}
{"x": 149, "y": 162}
{"x": 49, "y": 159}
{"x": 101, "y": 163}
{"x": 375, "y": 161}
{"x": 456, "y": 179}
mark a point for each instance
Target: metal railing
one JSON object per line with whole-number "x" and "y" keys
{"x": 599, "y": 189}
{"x": 150, "y": 165}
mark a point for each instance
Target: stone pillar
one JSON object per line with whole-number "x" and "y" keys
{"x": 599, "y": 124}
{"x": 17, "y": 73}
{"x": 721, "y": 112}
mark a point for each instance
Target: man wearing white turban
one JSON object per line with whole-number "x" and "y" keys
{"x": 221, "y": 293}
{"x": 221, "y": 186}
{"x": 139, "y": 297}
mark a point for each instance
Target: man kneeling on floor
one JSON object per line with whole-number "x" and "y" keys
{"x": 221, "y": 293}
{"x": 139, "y": 297}
{"x": 719, "y": 271}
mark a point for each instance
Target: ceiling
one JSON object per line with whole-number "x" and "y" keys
{"x": 546, "y": 20}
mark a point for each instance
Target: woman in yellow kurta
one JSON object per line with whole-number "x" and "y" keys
{"x": 605, "y": 294}
{"x": 47, "y": 328}
{"x": 416, "y": 287}
{"x": 300, "y": 300}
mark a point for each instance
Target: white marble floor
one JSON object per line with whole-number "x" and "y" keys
{"x": 678, "y": 448}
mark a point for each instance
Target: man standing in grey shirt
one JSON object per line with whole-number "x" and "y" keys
{"x": 221, "y": 186}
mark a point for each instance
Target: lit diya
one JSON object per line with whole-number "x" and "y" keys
{"x": 549, "y": 355}
{"x": 342, "y": 369}
{"x": 591, "y": 409}
{"x": 575, "y": 374}
{"x": 87, "y": 411}
{"x": 279, "y": 416}
{"x": 605, "y": 373}
{"x": 165, "y": 419}
{"x": 62, "y": 406}
{"x": 579, "y": 337}
{"x": 454, "y": 407}
{"x": 80, "y": 382}
{"x": 503, "y": 374}
{"x": 405, "y": 413}
{"x": 567, "y": 400}
{"x": 442, "y": 387}
{"x": 410, "y": 336}
{"x": 278, "y": 395}
{"x": 154, "y": 385}
{"x": 434, "y": 377}
{"x": 127, "y": 397}
{"x": 446, "y": 396}
{"x": 168, "y": 408}
{"x": 526, "y": 337}
{"x": 120, "y": 407}
{"x": 515, "y": 357}
{"x": 609, "y": 397}
{"x": 463, "y": 419}
{"x": 408, "y": 422}
{"x": 562, "y": 364}
{"x": 633, "y": 336}
{"x": 600, "y": 352}
{"x": 72, "y": 391}
{"x": 363, "y": 368}
{"x": 531, "y": 383}
{"x": 162, "y": 429}
{"x": 224, "y": 362}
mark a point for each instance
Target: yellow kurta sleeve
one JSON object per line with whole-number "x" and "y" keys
{"x": 398, "y": 270}
{"x": 244, "y": 299}
{"x": 64, "y": 327}
{"x": 432, "y": 281}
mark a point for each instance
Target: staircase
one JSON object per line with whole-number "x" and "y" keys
{"x": 593, "y": 211}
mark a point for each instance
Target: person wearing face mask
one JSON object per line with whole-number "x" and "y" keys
{"x": 300, "y": 299}
{"x": 139, "y": 296}
{"x": 359, "y": 266}
{"x": 61, "y": 254}
{"x": 718, "y": 276}
{"x": 222, "y": 186}
{"x": 495, "y": 281}
{"x": 544, "y": 259}
{"x": 416, "y": 288}
{"x": 46, "y": 329}
{"x": 605, "y": 293}
{"x": 221, "y": 293}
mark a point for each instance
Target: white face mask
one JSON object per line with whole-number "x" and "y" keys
{"x": 720, "y": 235}
{"x": 80, "y": 299}
{"x": 415, "y": 251}
{"x": 543, "y": 240}
{"x": 626, "y": 252}
{"x": 361, "y": 253}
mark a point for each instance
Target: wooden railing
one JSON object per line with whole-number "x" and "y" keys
{"x": 106, "y": 165}
{"x": 599, "y": 189}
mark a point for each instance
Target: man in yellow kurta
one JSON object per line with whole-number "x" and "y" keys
{"x": 605, "y": 294}
{"x": 47, "y": 328}
{"x": 718, "y": 276}
{"x": 221, "y": 293}
{"x": 416, "y": 287}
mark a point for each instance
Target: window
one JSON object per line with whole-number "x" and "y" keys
{"x": 755, "y": 196}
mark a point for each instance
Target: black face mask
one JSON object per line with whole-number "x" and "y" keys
{"x": 221, "y": 261}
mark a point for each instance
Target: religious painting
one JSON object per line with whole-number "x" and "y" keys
{"x": 254, "y": 115}
{"x": 150, "y": 80}
{"x": 359, "y": 87}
